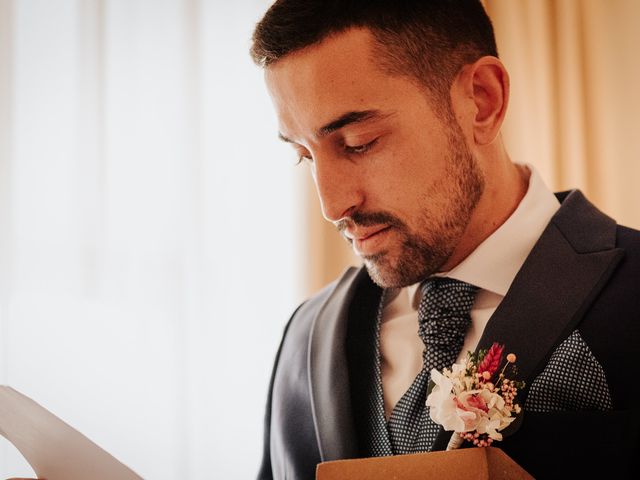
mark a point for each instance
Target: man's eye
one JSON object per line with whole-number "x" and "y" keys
{"x": 360, "y": 149}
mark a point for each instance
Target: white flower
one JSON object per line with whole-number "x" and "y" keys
{"x": 493, "y": 423}
{"x": 493, "y": 399}
{"x": 459, "y": 369}
{"x": 442, "y": 407}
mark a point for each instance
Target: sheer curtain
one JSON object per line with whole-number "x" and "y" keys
{"x": 148, "y": 225}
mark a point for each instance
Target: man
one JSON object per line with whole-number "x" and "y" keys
{"x": 396, "y": 107}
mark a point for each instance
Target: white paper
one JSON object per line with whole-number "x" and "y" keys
{"x": 55, "y": 450}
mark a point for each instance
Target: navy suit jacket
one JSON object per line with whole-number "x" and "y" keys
{"x": 582, "y": 276}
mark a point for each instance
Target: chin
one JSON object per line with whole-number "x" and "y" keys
{"x": 386, "y": 275}
{"x": 413, "y": 265}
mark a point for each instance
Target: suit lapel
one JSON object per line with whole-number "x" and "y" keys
{"x": 562, "y": 275}
{"x": 328, "y": 372}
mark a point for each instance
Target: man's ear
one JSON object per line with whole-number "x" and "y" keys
{"x": 485, "y": 84}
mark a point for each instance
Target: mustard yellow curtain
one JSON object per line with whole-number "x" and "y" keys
{"x": 575, "y": 101}
{"x": 575, "y": 95}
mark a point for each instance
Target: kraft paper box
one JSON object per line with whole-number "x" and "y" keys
{"x": 468, "y": 463}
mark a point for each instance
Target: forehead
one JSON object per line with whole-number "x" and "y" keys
{"x": 312, "y": 86}
{"x": 341, "y": 56}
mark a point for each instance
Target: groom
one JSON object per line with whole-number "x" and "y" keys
{"x": 396, "y": 109}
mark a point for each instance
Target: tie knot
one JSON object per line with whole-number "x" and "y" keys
{"x": 444, "y": 319}
{"x": 442, "y": 297}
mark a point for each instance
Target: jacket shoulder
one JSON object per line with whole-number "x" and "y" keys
{"x": 302, "y": 319}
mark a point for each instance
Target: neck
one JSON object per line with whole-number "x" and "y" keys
{"x": 505, "y": 185}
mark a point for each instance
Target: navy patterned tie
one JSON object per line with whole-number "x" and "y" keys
{"x": 444, "y": 317}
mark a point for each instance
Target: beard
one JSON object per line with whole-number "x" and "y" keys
{"x": 426, "y": 249}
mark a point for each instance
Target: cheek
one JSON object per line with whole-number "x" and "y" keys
{"x": 421, "y": 158}
{"x": 406, "y": 176}
{"x": 389, "y": 183}
{"x": 408, "y": 179}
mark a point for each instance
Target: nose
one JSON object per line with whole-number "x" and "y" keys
{"x": 338, "y": 185}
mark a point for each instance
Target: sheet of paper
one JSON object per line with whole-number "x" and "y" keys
{"x": 54, "y": 449}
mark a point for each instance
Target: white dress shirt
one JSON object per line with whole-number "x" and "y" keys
{"x": 491, "y": 267}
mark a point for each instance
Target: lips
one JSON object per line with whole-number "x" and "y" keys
{"x": 362, "y": 233}
{"x": 367, "y": 241}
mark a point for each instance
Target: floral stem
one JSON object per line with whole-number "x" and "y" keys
{"x": 455, "y": 441}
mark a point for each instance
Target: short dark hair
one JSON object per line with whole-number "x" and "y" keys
{"x": 426, "y": 40}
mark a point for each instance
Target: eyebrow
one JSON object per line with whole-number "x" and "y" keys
{"x": 348, "y": 118}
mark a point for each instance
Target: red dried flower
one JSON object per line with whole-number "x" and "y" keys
{"x": 491, "y": 361}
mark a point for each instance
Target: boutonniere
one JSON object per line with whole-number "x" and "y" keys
{"x": 476, "y": 399}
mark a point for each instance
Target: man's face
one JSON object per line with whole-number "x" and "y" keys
{"x": 398, "y": 181}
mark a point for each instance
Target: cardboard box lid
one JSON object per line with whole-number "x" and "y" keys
{"x": 468, "y": 463}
